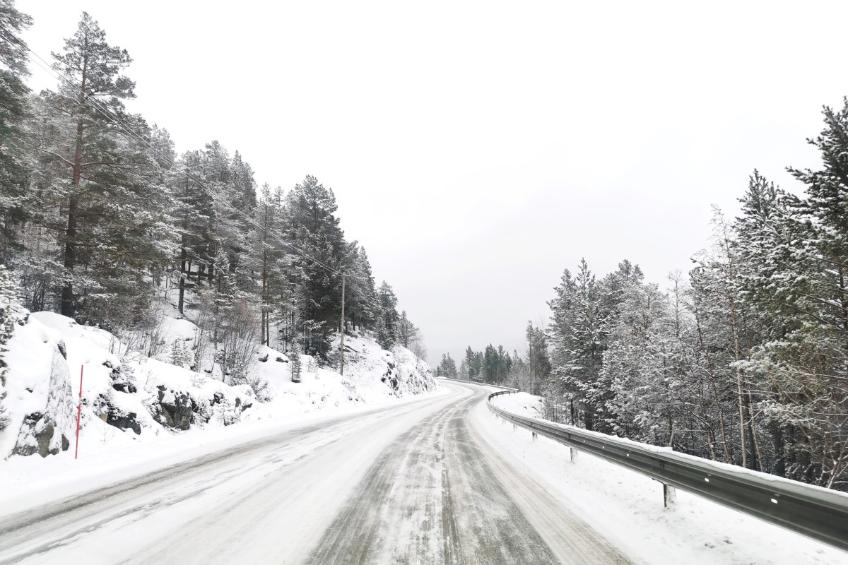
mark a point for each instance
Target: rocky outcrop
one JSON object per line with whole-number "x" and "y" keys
{"x": 390, "y": 377}
{"x": 46, "y": 432}
{"x": 123, "y": 379}
{"x": 174, "y": 409}
{"x": 39, "y": 434}
{"x": 105, "y": 408}
{"x": 179, "y": 410}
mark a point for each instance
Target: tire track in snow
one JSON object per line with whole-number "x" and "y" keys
{"x": 39, "y": 532}
{"x": 433, "y": 496}
{"x": 397, "y": 493}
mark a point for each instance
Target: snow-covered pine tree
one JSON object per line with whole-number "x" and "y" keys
{"x": 15, "y": 203}
{"x": 578, "y": 333}
{"x": 236, "y": 204}
{"x": 295, "y": 362}
{"x": 647, "y": 365}
{"x": 38, "y": 260}
{"x": 407, "y": 332}
{"x": 318, "y": 252}
{"x": 539, "y": 364}
{"x": 193, "y": 220}
{"x": 801, "y": 247}
{"x": 728, "y": 324}
{"x": 91, "y": 69}
{"x": 388, "y": 329}
{"x": 361, "y": 300}
{"x": 181, "y": 354}
{"x": 446, "y": 367}
{"x": 98, "y": 186}
{"x": 267, "y": 253}
{"x": 771, "y": 242}
{"x": 10, "y": 313}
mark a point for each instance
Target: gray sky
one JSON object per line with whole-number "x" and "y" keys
{"x": 478, "y": 148}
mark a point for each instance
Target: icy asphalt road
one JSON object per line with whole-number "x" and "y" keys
{"x": 415, "y": 483}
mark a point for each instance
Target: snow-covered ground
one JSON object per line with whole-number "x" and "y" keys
{"x": 627, "y": 507}
{"x": 140, "y": 413}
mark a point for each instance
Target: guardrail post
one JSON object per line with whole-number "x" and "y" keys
{"x": 669, "y": 495}
{"x": 572, "y": 454}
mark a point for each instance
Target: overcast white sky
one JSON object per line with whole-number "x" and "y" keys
{"x": 478, "y": 148}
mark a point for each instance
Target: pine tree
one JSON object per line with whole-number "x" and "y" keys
{"x": 646, "y": 366}
{"x": 311, "y": 230}
{"x": 194, "y": 217}
{"x": 470, "y": 371}
{"x": 728, "y": 319}
{"x": 538, "y": 362}
{"x": 770, "y": 244}
{"x": 408, "y": 334}
{"x": 806, "y": 257}
{"x": 15, "y": 204}
{"x": 579, "y": 333}
{"x": 38, "y": 261}
{"x": 361, "y": 305}
{"x": 446, "y": 367}
{"x": 388, "y": 325}
{"x": 294, "y": 359}
{"x": 268, "y": 253}
{"x": 91, "y": 70}
{"x": 180, "y": 355}
{"x": 10, "y": 313}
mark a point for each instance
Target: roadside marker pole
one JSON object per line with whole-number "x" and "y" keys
{"x": 79, "y": 413}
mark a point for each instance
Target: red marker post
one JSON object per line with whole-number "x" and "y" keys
{"x": 79, "y": 413}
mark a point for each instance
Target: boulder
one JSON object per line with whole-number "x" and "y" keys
{"x": 38, "y": 434}
{"x": 114, "y": 416}
{"x": 174, "y": 409}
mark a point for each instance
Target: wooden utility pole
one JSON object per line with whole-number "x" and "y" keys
{"x": 341, "y": 330}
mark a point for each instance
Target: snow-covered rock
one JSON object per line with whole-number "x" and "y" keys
{"x": 128, "y": 397}
{"x": 39, "y": 398}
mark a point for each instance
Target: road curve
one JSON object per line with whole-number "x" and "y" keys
{"x": 414, "y": 483}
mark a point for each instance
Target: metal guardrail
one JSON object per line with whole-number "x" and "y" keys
{"x": 479, "y": 383}
{"x": 815, "y": 511}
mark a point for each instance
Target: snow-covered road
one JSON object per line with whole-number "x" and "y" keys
{"x": 413, "y": 483}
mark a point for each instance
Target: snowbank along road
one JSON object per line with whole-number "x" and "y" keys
{"x": 414, "y": 483}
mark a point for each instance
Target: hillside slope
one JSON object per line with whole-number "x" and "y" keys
{"x": 129, "y": 398}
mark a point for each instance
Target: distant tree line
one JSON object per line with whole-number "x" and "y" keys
{"x": 494, "y": 365}
{"x": 98, "y": 214}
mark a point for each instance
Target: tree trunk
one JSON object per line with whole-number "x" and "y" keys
{"x": 181, "y": 300}
{"x": 756, "y": 459}
{"x": 777, "y": 440}
{"x": 70, "y": 258}
{"x": 183, "y": 254}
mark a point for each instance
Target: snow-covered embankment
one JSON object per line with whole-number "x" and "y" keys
{"x": 130, "y": 400}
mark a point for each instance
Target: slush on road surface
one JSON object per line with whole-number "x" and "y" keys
{"x": 414, "y": 483}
